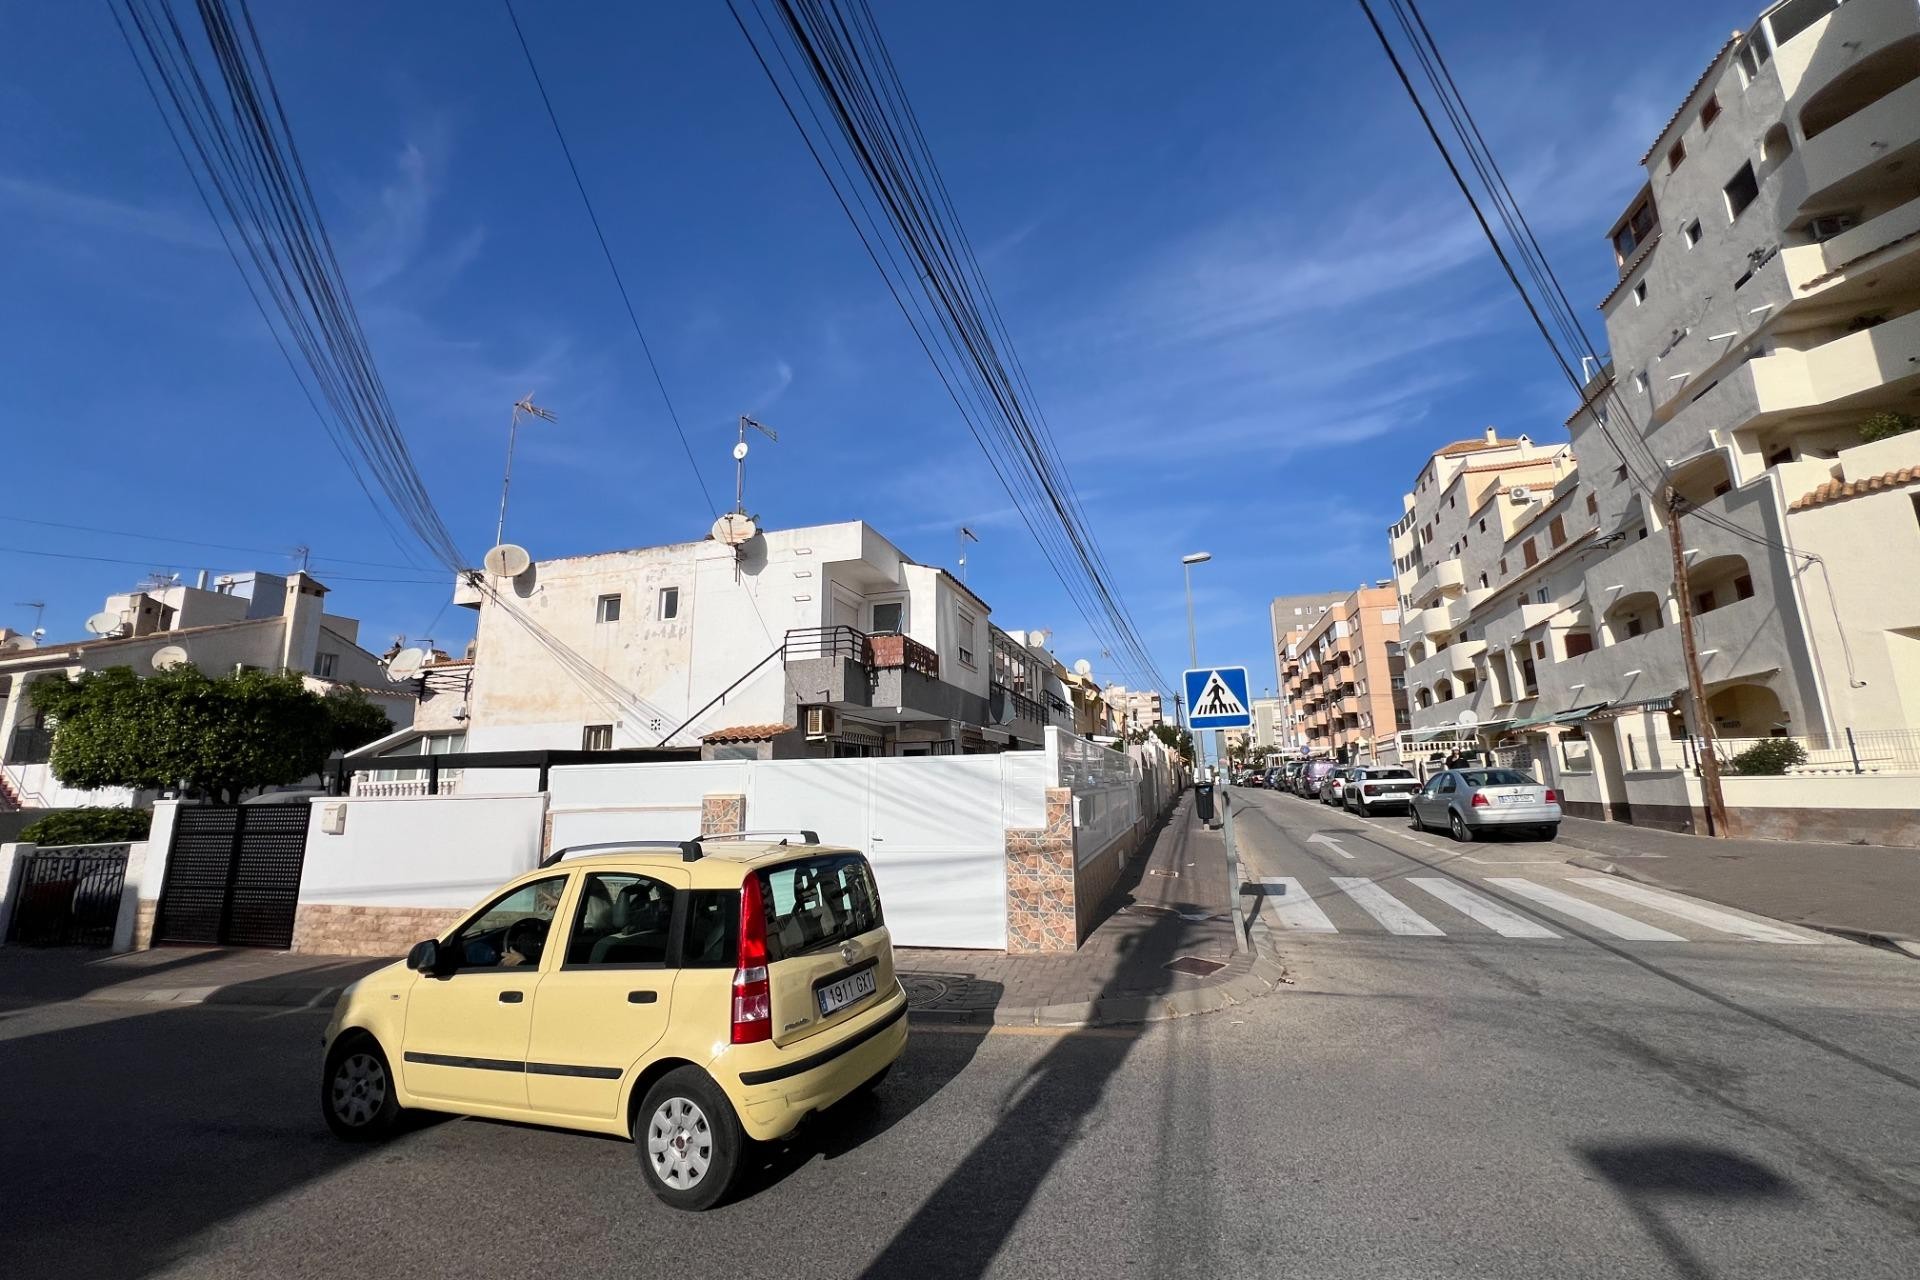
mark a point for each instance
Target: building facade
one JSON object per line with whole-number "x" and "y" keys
{"x": 1343, "y": 678}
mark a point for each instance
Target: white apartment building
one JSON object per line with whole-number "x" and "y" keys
{"x": 1768, "y": 305}
{"x": 264, "y": 621}
{"x": 818, "y": 641}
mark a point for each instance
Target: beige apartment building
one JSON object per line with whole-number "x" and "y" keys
{"x": 1294, "y": 616}
{"x": 1767, "y": 310}
{"x": 1341, "y": 678}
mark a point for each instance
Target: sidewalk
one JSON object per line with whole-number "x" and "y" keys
{"x": 1865, "y": 892}
{"x": 1172, "y": 905}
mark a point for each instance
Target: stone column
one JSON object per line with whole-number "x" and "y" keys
{"x": 722, "y": 815}
{"x": 1041, "y": 911}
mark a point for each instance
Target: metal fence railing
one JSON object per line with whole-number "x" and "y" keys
{"x": 1847, "y": 751}
{"x": 69, "y": 895}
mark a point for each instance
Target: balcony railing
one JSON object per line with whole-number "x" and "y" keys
{"x": 1024, "y": 708}
{"x": 892, "y": 651}
{"x": 31, "y": 746}
{"x": 877, "y": 652}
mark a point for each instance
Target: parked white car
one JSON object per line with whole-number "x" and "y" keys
{"x": 1466, "y": 802}
{"x": 1374, "y": 787}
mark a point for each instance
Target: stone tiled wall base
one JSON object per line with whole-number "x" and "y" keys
{"x": 722, "y": 814}
{"x": 1095, "y": 878}
{"x": 333, "y": 929}
{"x": 1041, "y": 914}
{"x": 143, "y": 923}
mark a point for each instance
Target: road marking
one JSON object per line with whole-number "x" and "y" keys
{"x": 1387, "y": 909}
{"x": 1599, "y": 917}
{"x": 1699, "y": 913}
{"x": 1318, "y": 838}
{"x": 1292, "y": 907}
{"x": 1482, "y": 910}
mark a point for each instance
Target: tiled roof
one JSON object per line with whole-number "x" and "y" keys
{"x": 1712, "y": 64}
{"x": 1474, "y": 446}
{"x": 1835, "y": 490}
{"x": 747, "y": 733}
{"x": 1542, "y": 461}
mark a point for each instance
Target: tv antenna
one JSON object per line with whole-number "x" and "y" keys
{"x": 39, "y": 608}
{"x": 740, "y": 460}
{"x": 523, "y": 407}
{"x": 965, "y": 536}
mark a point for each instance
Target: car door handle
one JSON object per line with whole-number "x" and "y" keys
{"x": 642, "y": 997}
{"x": 512, "y": 997}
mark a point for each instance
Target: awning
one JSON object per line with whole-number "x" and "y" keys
{"x": 1609, "y": 710}
{"x": 1579, "y": 713}
{"x": 1557, "y": 717}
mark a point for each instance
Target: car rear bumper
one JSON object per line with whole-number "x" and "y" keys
{"x": 1519, "y": 815}
{"x": 772, "y": 1098}
{"x": 1391, "y": 800}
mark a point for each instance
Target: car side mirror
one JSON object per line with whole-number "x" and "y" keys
{"x": 425, "y": 957}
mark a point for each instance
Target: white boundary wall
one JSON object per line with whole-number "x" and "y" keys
{"x": 934, "y": 827}
{"x": 423, "y": 851}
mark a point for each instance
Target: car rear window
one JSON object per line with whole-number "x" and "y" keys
{"x": 1377, "y": 774}
{"x": 1496, "y": 778}
{"x": 818, "y": 903}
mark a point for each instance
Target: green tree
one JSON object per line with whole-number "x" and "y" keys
{"x": 1178, "y": 741}
{"x": 222, "y": 737}
{"x": 1882, "y": 426}
{"x": 355, "y": 719}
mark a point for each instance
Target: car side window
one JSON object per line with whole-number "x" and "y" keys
{"x": 511, "y": 932}
{"x": 623, "y": 919}
{"x": 1446, "y": 782}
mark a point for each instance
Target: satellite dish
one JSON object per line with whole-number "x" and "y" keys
{"x": 734, "y": 529}
{"x": 1000, "y": 706}
{"x": 167, "y": 657}
{"x": 408, "y": 662}
{"x": 1039, "y": 636}
{"x": 740, "y": 452}
{"x": 1467, "y": 719}
{"x": 104, "y": 623}
{"x": 1083, "y": 668}
{"x": 508, "y": 560}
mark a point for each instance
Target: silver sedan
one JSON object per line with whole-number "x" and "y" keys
{"x": 1466, "y": 802}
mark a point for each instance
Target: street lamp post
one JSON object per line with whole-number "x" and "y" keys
{"x": 1193, "y": 645}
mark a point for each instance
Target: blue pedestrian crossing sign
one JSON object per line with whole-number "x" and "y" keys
{"x": 1217, "y": 698}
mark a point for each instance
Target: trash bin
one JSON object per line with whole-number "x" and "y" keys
{"x": 1203, "y": 800}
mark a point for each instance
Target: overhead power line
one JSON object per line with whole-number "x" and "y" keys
{"x": 195, "y": 542}
{"x": 148, "y": 564}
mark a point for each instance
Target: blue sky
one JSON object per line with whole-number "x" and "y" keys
{"x": 1246, "y": 292}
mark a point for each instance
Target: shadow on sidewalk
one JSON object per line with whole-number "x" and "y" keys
{"x": 31, "y": 976}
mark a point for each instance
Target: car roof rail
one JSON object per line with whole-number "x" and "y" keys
{"x": 689, "y": 849}
{"x": 806, "y": 836}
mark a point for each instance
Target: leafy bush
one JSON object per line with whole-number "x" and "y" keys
{"x": 89, "y": 826}
{"x": 1769, "y": 759}
{"x": 1882, "y": 426}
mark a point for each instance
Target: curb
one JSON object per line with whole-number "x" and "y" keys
{"x": 1852, "y": 933}
{"x": 1266, "y": 974}
{"x": 233, "y": 997}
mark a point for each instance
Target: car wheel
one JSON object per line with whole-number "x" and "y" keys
{"x": 1458, "y": 826}
{"x": 356, "y": 1090}
{"x": 1413, "y": 815}
{"x": 689, "y": 1140}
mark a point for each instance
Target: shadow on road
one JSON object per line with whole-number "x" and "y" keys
{"x": 1648, "y": 1175}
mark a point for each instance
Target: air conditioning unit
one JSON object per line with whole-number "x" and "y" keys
{"x": 1821, "y": 230}
{"x": 819, "y": 722}
{"x": 1520, "y": 493}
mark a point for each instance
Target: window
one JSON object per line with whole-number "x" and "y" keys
{"x": 1639, "y": 293}
{"x": 1593, "y": 504}
{"x": 1579, "y": 642}
{"x": 1710, "y": 112}
{"x": 1743, "y": 585}
{"x": 596, "y": 737}
{"x": 1529, "y": 553}
{"x": 623, "y": 919}
{"x": 888, "y": 617}
{"x": 1692, "y": 233}
{"x": 1483, "y": 580}
{"x": 607, "y": 609}
{"x": 1529, "y": 684}
{"x": 324, "y": 664}
{"x": 669, "y": 603}
{"x": 1633, "y": 625}
{"x": 1541, "y": 597}
{"x": 1620, "y": 472}
{"x": 1634, "y": 230}
{"x": 817, "y": 904}
{"x": 1483, "y": 524}
{"x": 1703, "y": 602}
{"x": 1676, "y": 156}
{"x": 1640, "y": 385}
{"x": 1558, "y": 530}
{"x": 511, "y": 932}
{"x": 965, "y": 642}
{"x": 1742, "y": 191}
{"x": 1753, "y": 55}
{"x": 1795, "y": 16}
{"x": 1503, "y": 565}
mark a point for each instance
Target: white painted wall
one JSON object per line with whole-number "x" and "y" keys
{"x": 429, "y": 851}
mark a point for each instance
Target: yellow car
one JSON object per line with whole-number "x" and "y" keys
{"x": 695, "y": 997}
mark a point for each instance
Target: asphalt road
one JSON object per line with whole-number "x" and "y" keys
{"x": 1464, "y": 1102}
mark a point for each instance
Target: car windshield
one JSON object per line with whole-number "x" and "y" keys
{"x": 1496, "y": 778}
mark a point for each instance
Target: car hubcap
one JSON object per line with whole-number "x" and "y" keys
{"x": 1459, "y": 828}
{"x": 359, "y": 1089}
{"x": 679, "y": 1143}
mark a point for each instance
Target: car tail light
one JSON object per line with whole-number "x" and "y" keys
{"x": 1479, "y": 801}
{"x": 1553, "y": 797}
{"x": 752, "y": 994}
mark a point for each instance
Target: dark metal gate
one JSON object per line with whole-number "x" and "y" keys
{"x": 233, "y": 875}
{"x": 69, "y": 896}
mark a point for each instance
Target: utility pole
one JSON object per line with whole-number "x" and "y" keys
{"x": 524, "y": 405}
{"x": 1696, "y": 684}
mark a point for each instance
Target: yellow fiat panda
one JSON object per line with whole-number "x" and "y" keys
{"x": 696, "y": 997}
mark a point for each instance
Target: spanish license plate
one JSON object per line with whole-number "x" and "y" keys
{"x": 1515, "y": 799}
{"x": 836, "y": 996}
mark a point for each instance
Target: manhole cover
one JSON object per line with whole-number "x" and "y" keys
{"x": 1194, "y": 966}
{"x": 922, "y": 990}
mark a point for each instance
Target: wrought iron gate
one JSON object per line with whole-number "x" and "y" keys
{"x": 233, "y": 875}
{"x": 69, "y": 896}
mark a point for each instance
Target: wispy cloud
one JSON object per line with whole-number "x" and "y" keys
{"x": 58, "y": 204}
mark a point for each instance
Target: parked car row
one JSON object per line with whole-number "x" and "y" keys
{"x": 1464, "y": 802}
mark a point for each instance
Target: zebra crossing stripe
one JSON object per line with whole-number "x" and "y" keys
{"x": 1699, "y": 913}
{"x": 1599, "y": 917}
{"x": 1481, "y": 909}
{"x": 1387, "y": 909}
{"x": 1292, "y": 907}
